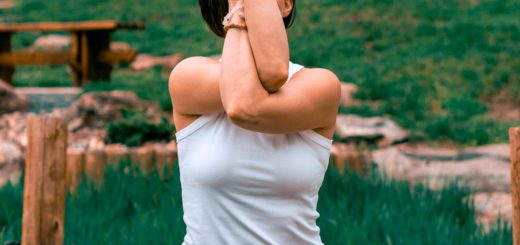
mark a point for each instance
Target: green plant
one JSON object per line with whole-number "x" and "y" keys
{"x": 134, "y": 209}
{"x": 135, "y": 128}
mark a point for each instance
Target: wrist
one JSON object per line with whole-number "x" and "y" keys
{"x": 235, "y": 19}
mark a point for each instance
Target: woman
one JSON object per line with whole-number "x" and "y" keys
{"x": 253, "y": 131}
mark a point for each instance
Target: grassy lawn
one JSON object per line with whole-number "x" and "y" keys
{"x": 132, "y": 209}
{"x": 433, "y": 66}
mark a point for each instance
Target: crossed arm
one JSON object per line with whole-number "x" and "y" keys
{"x": 250, "y": 82}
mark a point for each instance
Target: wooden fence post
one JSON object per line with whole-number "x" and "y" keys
{"x": 95, "y": 166}
{"x": 45, "y": 181}
{"x": 115, "y": 154}
{"x": 348, "y": 154}
{"x": 165, "y": 157}
{"x": 514, "y": 143}
{"x": 143, "y": 156}
{"x": 75, "y": 169}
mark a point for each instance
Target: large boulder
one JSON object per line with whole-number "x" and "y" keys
{"x": 10, "y": 101}
{"x": 87, "y": 118}
{"x": 381, "y": 130}
{"x": 95, "y": 110}
{"x": 478, "y": 168}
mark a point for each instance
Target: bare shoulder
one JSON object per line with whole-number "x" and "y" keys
{"x": 193, "y": 86}
{"x": 321, "y": 81}
{"x": 325, "y": 76}
{"x": 190, "y": 67}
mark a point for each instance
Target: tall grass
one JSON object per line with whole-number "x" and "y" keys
{"x": 132, "y": 209}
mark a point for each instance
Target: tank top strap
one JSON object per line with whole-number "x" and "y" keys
{"x": 293, "y": 69}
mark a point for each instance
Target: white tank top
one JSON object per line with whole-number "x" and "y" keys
{"x": 245, "y": 187}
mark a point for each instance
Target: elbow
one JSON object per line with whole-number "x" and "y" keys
{"x": 241, "y": 115}
{"x": 274, "y": 78}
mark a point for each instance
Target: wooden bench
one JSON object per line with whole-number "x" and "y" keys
{"x": 90, "y": 56}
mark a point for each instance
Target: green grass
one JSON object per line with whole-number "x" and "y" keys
{"x": 132, "y": 209}
{"x": 431, "y": 65}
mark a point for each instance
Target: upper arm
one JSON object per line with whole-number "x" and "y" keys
{"x": 194, "y": 86}
{"x": 310, "y": 100}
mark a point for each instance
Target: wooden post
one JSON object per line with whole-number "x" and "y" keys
{"x": 75, "y": 169}
{"x": 514, "y": 142}
{"x": 348, "y": 154}
{"x": 84, "y": 57}
{"x": 95, "y": 166}
{"x": 98, "y": 42}
{"x": 115, "y": 154}
{"x": 165, "y": 159}
{"x": 144, "y": 157}
{"x": 45, "y": 181}
{"x": 6, "y": 72}
{"x": 75, "y": 64}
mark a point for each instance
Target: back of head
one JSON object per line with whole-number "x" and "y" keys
{"x": 213, "y": 12}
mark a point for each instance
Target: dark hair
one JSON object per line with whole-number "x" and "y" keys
{"x": 213, "y": 12}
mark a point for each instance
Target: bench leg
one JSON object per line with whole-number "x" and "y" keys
{"x": 6, "y": 72}
{"x": 80, "y": 65}
{"x": 75, "y": 63}
{"x": 86, "y": 49}
{"x": 98, "y": 42}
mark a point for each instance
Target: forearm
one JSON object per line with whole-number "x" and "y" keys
{"x": 268, "y": 39}
{"x": 240, "y": 89}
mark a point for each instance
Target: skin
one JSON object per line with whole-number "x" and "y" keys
{"x": 249, "y": 84}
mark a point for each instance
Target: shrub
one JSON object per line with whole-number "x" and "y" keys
{"x": 135, "y": 128}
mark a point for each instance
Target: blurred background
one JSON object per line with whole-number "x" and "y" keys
{"x": 420, "y": 153}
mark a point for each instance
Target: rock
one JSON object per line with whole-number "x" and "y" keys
{"x": 482, "y": 174}
{"x": 97, "y": 109}
{"x": 12, "y": 128}
{"x": 11, "y": 160}
{"x": 490, "y": 206}
{"x": 52, "y": 42}
{"x": 144, "y": 62}
{"x": 6, "y": 4}
{"x": 393, "y": 163}
{"x": 9, "y": 152}
{"x": 376, "y": 129}
{"x": 10, "y": 101}
{"x": 499, "y": 151}
{"x": 435, "y": 166}
{"x": 120, "y": 46}
{"x": 347, "y": 94}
